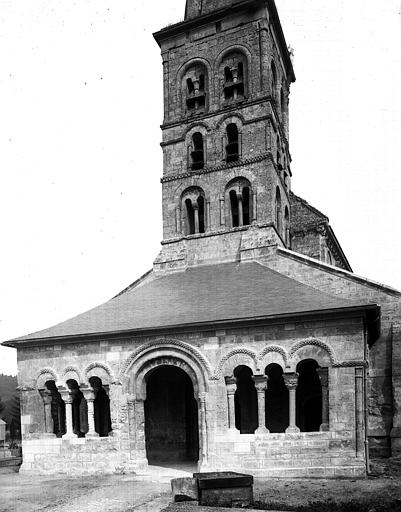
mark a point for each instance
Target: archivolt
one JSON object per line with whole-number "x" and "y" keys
{"x": 242, "y": 351}
{"x": 313, "y": 342}
{"x": 103, "y": 367}
{"x": 176, "y": 345}
{"x": 275, "y": 349}
{"x": 44, "y": 375}
{"x": 71, "y": 372}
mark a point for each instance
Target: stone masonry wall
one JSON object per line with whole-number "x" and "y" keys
{"x": 207, "y": 357}
{"x": 384, "y": 378}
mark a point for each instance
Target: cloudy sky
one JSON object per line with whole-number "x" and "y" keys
{"x": 80, "y": 162}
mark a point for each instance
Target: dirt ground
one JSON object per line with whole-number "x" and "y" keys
{"x": 123, "y": 493}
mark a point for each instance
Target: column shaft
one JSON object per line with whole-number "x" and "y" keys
{"x": 196, "y": 217}
{"x": 261, "y": 386}
{"x": 291, "y": 381}
{"x": 231, "y": 384}
{"x": 68, "y": 415}
{"x": 240, "y": 211}
{"x": 324, "y": 380}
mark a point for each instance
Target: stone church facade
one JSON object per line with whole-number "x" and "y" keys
{"x": 250, "y": 345}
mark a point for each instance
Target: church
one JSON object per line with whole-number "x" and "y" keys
{"x": 250, "y": 345}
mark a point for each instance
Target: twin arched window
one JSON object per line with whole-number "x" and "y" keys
{"x": 194, "y": 85}
{"x": 193, "y": 208}
{"x": 239, "y": 200}
{"x": 234, "y": 79}
{"x": 197, "y": 152}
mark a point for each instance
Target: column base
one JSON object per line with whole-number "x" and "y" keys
{"x": 324, "y": 427}
{"x": 46, "y": 435}
{"x": 292, "y": 430}
{"x": 91, "y": 435}
{"x": 69, "y": 436}
{"x": 262, "y": 430}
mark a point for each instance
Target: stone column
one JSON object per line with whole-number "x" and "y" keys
{"x": 291, "y": 381}
{"x": 264, "y": 54}
{"x": 49, "y": 424}
{"x": 359, "y": 413}
{"x": 261, "y": 386}
{"x": 178, "y": 219}
{"x": 323, "y": 374}
{"x": 90, "y": 396}
{"x": 222, "y": 211}
{"x": 66, "y": 396}
{"x": 140, "y": 428}
{"x": 231, "y": 386}
{"x": 240, "y": 210}
{"x": 196, "y": 216}
{"x": 204, "y": 447}
{"x": 254, "y": 206}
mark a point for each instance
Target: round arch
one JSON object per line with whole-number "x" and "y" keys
{"x": 167, "y": 352}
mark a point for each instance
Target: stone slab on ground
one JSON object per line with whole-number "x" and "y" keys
{"x": 192, "y": 507}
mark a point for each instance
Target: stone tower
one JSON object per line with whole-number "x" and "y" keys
{"x": 227, "y": 175}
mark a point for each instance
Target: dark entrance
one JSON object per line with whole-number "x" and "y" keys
{"x": 171, "y": 417}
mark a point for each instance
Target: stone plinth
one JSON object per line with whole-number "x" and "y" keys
{"x": 225, "y": 489}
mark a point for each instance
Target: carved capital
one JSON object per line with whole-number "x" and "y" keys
{"x": 231, "y": 384}
{"x": 323, "y": 374}
{"x": 291, "y": 380}
{"x": 260, "y": 382}
{"x": 46, "y": 396}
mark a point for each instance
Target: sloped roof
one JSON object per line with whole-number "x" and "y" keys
{"x": 198, "y": 295}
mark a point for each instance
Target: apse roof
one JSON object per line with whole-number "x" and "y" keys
{"x": 198, "y": 296}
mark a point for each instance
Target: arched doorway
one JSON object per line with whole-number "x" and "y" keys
{"x": 171, "y": 417}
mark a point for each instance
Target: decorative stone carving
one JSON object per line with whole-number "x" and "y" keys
{"x": 164, "y": 343}
{"x": 261, "y": 386}
{"x": 313, "y": 342}
{"x": 238, "y": 354}
{"x": 231, "y": 387}
{"x": 291, "y": 381}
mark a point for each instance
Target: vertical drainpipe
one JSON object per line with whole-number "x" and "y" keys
{"x": 365, "y": 392}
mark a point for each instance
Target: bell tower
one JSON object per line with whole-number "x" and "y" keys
{"x": 226, "y": 172}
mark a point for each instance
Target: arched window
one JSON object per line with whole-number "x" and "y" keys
{"x": 287, "y": 226}
{"x": 278, "y": 212}
{"x": 309, "y": 397}
{"x": 79, "y": 409}
{"x": 246, "y": 407}
{"x": 197, "y": 153}
{"x": 193, "y": 205}
{"x": 57, "y": 409}
{"x": 190, "y": 217}
{"x": 234, "y": 77}
{"x": 246, "y": 206}
{"x": 273, "y": 80}
{"x": 232, "y": 147}
{"x": 195, "y": 88}
{"x": 101, "y": 407}
{"x": 276, "y": 400}
{"x": 278, "y": 146}
{"x": 239, "y": 200}
{"x": 282, "y": 102}
{"x": 234, "y": 209}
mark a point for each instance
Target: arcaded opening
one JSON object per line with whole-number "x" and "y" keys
{"x": 171, "y": 417}
{"x": 101, "y": 406}
{"x": 309, "y": 397}
{"x": 246, "y": 402}
{"x": 79, "y": 409}
{"x": 57, "y": 409}
{"x": 276, "y": 399}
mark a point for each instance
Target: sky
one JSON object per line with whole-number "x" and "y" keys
{"x": 80, "y": 162}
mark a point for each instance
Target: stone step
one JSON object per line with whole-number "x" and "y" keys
{"x": 10, "y": 461}
{"x": 193, "y": 507}
{"x": 162, "y": 474}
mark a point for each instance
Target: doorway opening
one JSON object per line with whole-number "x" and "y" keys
{"x": 171, "y": 417}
